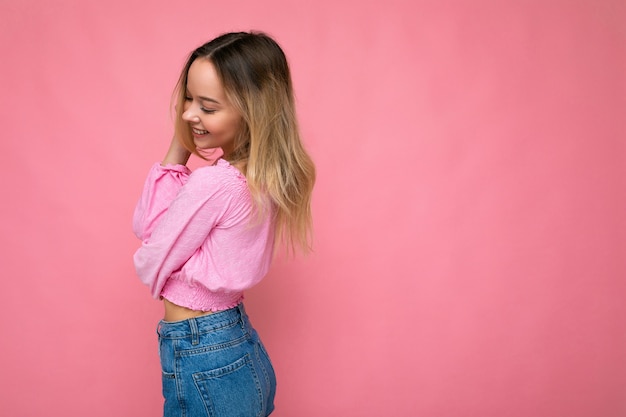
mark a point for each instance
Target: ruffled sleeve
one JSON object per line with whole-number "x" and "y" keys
{"x": 161, "y": 187}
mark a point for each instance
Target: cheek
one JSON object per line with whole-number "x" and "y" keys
{"x": 237, "y": 125}
{"x": 229, "y": 126}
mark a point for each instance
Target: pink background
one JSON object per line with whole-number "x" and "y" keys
{"x": 469, "y": 212}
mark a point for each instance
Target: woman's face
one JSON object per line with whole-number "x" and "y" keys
{"x": 214, "y": 121}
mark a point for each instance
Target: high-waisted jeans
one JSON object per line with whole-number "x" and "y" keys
{"x": 215, "y": 366}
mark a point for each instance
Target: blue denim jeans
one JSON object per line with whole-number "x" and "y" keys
{"x": 215, "y": 366}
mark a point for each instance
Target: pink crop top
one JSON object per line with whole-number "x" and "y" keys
{"x": 202, "y": 245}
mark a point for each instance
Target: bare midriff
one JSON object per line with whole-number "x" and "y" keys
{"x": 175, "y": 312}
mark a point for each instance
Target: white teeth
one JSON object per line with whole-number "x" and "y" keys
{"x": 199, "y": 132}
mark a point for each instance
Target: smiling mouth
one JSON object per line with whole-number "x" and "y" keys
{"x": 199, "y": 131}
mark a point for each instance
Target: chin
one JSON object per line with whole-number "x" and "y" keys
{"x": 202, "y": 145}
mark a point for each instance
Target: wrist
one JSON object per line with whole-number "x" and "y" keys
{"x": 176, "y": 154}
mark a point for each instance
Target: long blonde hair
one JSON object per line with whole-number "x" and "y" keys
{"x": 257, "y": 81}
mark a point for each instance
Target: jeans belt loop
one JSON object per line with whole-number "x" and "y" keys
{"x": 195, "y": 336}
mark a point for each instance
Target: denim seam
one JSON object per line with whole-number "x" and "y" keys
{"x": 201, "y": 333}
{"x": 179, "y": 383}
{"x": 197, "y": 351}
{"x": 267, "y": 378}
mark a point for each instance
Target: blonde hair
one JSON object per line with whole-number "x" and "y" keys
{"x": 257, "y": 81}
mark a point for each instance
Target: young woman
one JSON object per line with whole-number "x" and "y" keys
{"x": 209, "y": 235}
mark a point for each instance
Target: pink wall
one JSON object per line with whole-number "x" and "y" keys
{"x": 469, "y": 213}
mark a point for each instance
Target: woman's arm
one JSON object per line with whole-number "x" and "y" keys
{"x": 176, "y": 154}
{"x": 163, "y": 183}
{"x": 199, "y": 206}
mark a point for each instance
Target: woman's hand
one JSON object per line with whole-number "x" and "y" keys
{"x": 176, "y": 154}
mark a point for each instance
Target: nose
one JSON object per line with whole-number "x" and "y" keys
{"x": 190, "y": 116}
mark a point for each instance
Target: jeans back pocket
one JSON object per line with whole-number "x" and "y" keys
{"x": 231, "y": 391}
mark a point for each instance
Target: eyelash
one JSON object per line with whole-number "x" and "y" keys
{"x": 204, "y": 110}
